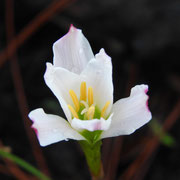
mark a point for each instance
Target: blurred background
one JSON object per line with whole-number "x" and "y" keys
{"x": 143, "y": 39}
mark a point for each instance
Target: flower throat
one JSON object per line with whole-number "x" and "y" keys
{"x": 85, "y": 108}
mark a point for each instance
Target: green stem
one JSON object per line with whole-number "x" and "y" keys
{"x": 23, "y": 164}
{"x": 93, "y": 157}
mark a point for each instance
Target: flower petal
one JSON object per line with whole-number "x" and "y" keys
{"x": 99, "y": 75}
{"x": 51, "y": 128}
{"x": 60, "y": 81}
{"x": 91, "y": 125}
{"x": 72, "y": 51}
{"x": 129, "y": 113}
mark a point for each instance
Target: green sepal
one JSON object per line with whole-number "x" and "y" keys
{"x": 93, "y": 156}
{"x": 91, "y": 137}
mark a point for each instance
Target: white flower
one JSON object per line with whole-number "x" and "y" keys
{"x": 83, "y": 85}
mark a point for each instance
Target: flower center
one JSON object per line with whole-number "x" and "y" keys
{"x": 84, "y": 107}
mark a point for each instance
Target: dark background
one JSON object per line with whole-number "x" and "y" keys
{"x": 143, "y": 39}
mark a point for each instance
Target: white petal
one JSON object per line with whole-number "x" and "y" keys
{"x": 99, "y": 75}
{"x": 72, "y": 51}
{"x": 60, "y": 81}
{"x": 51, "y": 128}
{"x": 91, "y": 125}
{"x": 129, "y": 113}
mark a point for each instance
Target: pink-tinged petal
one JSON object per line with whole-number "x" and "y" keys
{"x": 129, "y": 113}
{"x": 98, "y": 73}
{"x": 35, "y": 130}
{"x": 51, "y": 128}
{"x": 72, "y": 51}
{"x": 91, "y": 125}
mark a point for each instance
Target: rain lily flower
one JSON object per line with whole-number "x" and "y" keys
{"x": 83, "y": 85}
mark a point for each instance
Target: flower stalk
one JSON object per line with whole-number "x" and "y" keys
{"x": 93, "y": 157}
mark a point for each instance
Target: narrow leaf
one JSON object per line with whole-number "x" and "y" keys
{"x": 23, "y": 164}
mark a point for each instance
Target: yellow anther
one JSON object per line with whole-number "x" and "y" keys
{"x": 83, "y": 91}
{"x": 74, "y": 113}
{"x": 90, "y": 113}
{"x": 74, "y": 99}
{"x": 90, "y": 96}
{"x": 104, "y": 109}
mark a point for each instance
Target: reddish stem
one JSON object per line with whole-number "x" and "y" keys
{"x": 31, "y": 28}
{"x": 18, "y": 84}
{"x": 150, "y": 146}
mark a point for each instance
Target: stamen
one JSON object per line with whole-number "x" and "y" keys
{"x": 74, "y": 99}
{"x": 83, "y": 91}
{"x": 74, "y": 113}
{"x": 90, "y": 113}
{"x": 90, "y": 96}
{"x": 104, "y": 109}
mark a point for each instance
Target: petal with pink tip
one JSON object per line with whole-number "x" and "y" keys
{"x": 72, "y": 51}
{"x": 51, "y": 128}
{"x": 91, "y": 125}
{"x": 129, "y": 113}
